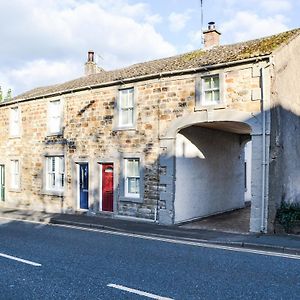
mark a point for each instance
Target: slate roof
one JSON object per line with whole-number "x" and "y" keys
{"x": 191, "y": 60}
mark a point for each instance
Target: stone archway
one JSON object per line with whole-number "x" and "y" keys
{"x": 226, "y": 120}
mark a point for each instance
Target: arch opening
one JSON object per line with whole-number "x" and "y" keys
{"x": 212, "y": 163}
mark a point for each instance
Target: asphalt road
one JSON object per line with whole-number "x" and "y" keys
{"x": 81, "y": 264}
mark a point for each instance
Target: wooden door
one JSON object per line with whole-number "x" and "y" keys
{"x": 107, "y": 187}
{"x": 83, "y": 186}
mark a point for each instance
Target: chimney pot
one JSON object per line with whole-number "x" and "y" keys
{"x": 90, "y": 66}
{"x": 211, "y": 25}
{"x": 91, "y": 55}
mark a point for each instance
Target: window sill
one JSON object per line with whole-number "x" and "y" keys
{"x": 210, "y": 107}
{"x": 53, "y": 193}
{"x": 123, "y": 128}
{"x": 131, "y": 199}
{"x": 14, "y": 190}
{"x": 50, "y": 134}
{"x": 12, "y": 137}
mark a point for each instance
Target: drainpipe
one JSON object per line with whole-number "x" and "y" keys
{"x": 265, "y": 106}
{"x": 156, "y": 213}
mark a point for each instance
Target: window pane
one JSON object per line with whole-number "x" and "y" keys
{"x": 15, "y": 114}
{"x": 53, "y": 164}
{"x": 216, "y": 82}
{"x": 136, "y": 168}
{"x": 55, "y": 124}
{"x": 133, "y": 185}
{"x": 14, "y": 121}
{"x": 123, "y": 117}
{"x": 123, "y": 99}
{"x": 129, "y": 168}
{"x": 208, "y": 96}
{"x": 54, "y": 116}
{"x": 130, "y": 98}
{"x": 55, "y": 108}
{"x": 52, "y": 176}
{"x": 15, "y": 177}
{"x": 49, "y": 164}
{"x": 15, "y": 168}
{"x": 207, "y": 83}
{"x": 216, "y": 96}
{"x": 61, "y": 165}
{"x": 130, "y": 116}
{"x": 133, "y": 168}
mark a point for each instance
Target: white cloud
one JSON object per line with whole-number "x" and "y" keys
{"x": 195, "y": 38}
{"x": 231, "y": 2}
{"x": 275, "y": 5}
{"x": 177, "y": 21}
{"x": 122, "y": 7}
{"x": 39, "y": 73}
{"x": 153, "y": 19}
{"x": 39, "y": 34}
{"x": 245, "y": 25}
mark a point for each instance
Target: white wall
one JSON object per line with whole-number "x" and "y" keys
{"x": 209, "y": 173}
{"x": 248, "y": 161}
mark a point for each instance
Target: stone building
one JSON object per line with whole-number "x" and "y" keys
{"x": 161, "y": 140}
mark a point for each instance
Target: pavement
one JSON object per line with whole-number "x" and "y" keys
{"x": 275, "y": 243}
{"x": 235, "y": 221}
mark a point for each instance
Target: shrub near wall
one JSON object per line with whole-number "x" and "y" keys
{"x": 288, "y": 215}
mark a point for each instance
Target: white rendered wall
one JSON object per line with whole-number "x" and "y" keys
{"x": 209, "y": 173}
{"x": 248, "y": 161}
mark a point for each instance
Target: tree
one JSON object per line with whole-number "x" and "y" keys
{"x": 9, "y": 94}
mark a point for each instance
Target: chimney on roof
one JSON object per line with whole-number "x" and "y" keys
{"x": 90, "y": 66}
{"x": 211, "y": 36}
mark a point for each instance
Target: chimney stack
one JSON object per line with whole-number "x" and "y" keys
{"x": 90, "y": 66}
{"x": 211, "y": 36}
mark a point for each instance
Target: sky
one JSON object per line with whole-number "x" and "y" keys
{"x": 44, "y": 42}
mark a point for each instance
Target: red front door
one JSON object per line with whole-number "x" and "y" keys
{"x": 107, "y": 187}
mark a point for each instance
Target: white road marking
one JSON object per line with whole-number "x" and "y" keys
{"x": 189, "y": 243}
{"x": 173, "y": 241}
{"x": 24, "y": 261}
{"x": 138, "y": 292}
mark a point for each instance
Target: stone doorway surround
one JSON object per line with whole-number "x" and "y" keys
{"x": 246, "y": 122}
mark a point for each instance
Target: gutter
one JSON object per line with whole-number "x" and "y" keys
{"x": 140, "y": 78}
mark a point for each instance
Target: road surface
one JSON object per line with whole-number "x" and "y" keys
{"x": 40, "y": 261}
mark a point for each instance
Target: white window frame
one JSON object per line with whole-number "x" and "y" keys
{"x": 15, "y": 174}
{"x": 55, "y": 173}
{"x": 213, "y": 90}
{"x": 126, "y": 178}
{"x": 55, "y": 117}
{"x": 128, "y": 108}
{"x": 14, "y": 122}
{"x": 201, "y": 103}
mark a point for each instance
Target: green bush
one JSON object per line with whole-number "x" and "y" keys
{"x": 288, "y": 214}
